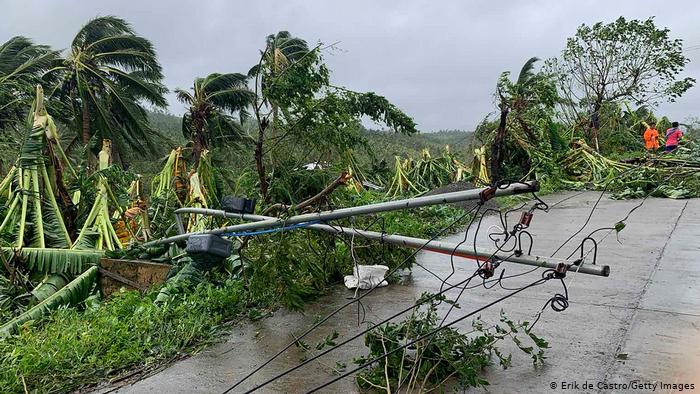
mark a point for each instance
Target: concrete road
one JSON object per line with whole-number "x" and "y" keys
{"x": 640, "y": 324}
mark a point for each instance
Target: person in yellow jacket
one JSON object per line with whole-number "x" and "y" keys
{"x": 651, "y": 138}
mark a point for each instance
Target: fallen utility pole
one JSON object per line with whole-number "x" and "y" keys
{"x": 434, "y": 246}
{"x": 324, "y": 216}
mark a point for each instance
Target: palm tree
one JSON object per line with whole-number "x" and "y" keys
{"x": 282, "y": 50}
{"x": 212, "y": 101}
{"x": 22, "y": 63}
{"x": 108, "y": 72}
{"x": 512, "y": 96}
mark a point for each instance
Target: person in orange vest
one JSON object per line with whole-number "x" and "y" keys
{"x": 651, "y": 138}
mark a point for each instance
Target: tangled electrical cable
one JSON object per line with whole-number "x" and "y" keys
{"x": 486, "y": 268}
{"x": 430, "y": 334}
{"x": 345, "y": 305}
{"x": 508, "y": 240}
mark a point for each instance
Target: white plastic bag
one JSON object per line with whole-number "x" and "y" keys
{"x": 367, "y": 276}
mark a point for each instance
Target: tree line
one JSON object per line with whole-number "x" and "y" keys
{"x": 100, "y": 88}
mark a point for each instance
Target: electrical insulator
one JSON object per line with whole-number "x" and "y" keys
{"x": 486, "y": 270}
{"x": 526, "y": 218}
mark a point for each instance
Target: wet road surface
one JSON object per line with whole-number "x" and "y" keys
{"x": 641, "y": 323}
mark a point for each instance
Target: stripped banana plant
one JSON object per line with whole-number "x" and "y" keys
{"x": 99, "y": 219}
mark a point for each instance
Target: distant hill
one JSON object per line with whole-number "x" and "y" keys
{"x": 168, "y": 124}
{"x": 384, "y": 144}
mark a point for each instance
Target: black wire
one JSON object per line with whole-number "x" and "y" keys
{"x": 508, "y": 237}
{"x": 504, "y": 221}
{"x": 520, "y": 242}
{"x": 623, "y": 220}
{"x": 429, "y": 334}
{"x": 600, "y": 197}
{"x": 337, "y": 310}
{"x": 559, "y": 303}
{"x": 454, "y": 303}
{"x": 505, "y": 277}
{"x": 500, "y": 277}
{"x": 517, "y": 253}
{"x": 479, "y": 271}
{"x": 502, "y": 186}
{"x": 480, "y": 265}
{"x": 346, "y": 341}
{"x": 583, "y": 244}
{"x": 454, "y": 251}
{"x": 360, "y": 305}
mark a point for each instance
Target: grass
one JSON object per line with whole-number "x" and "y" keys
{"x": 71, "y": 348}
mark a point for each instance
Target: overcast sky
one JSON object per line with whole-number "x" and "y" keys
{"x": 436, "y": 60}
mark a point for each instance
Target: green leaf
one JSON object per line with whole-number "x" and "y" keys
{"x": 619, "y": 226}
{"x": 72, "y": 294}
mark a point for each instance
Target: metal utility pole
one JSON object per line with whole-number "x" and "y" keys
{"x": 324, "y": 216}
{"x": 411, "y": 242}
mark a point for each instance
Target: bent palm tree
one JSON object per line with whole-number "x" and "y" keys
{"x": 108, "y": 72}
{"x": 281, "y": 51}
{"x": 511, "y": 96}
{"x": 212, "y": 102}
{"x": 22, "y": 64}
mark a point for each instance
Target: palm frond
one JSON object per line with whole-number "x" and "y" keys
{"x": 293, "y": 48}
{"x": 527, "y": 71}
{"x": 22, "y": 64}
{"x": 184, "y": 96}
{"x": 223, "y": 127}
{"x": 232, "y": 100}
{"x": 73, "y": 293}
{"x": 216, "y": 82}
{"x": 140, "y": 88}
{"x": 112, "y": 71}
{"x": 99, "y": 28}
{"x": 56, "y": 261}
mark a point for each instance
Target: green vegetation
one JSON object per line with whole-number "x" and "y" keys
{"x": 104, "y": 79}
{"x": 73, "y": 347}
{"x": 571, "y": 123}
{"x": 129, "y": 331}
{"x": 83, "y": 180}
{"x": 430, "y": 364}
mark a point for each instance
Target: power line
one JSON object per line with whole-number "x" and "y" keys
{"x": 374, "y": 326}
{"x": 595, "y": 206}
{"x": 558, "y": 300}
{"x": 429, "y": 334}
{"x": 480, "y": 270}
{"x": 337, "y": 310}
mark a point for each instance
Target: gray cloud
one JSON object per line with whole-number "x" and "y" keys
{"x": 438, "y": 61}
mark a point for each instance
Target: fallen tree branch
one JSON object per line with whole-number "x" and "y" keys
{"x": 341, "y": 180}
